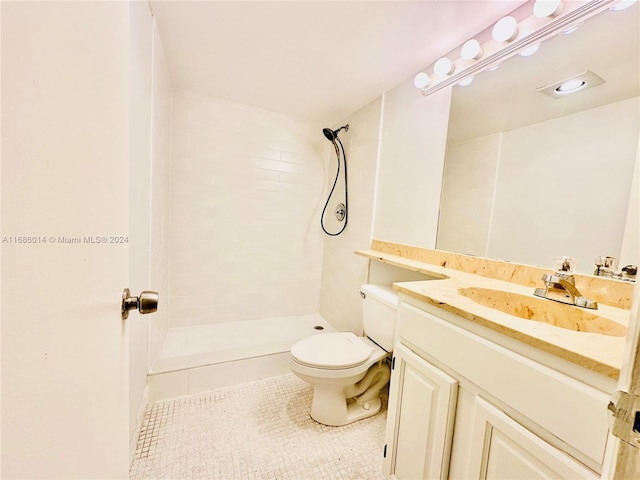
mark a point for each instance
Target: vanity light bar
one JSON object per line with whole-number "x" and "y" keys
{"x": 510, "y": 37}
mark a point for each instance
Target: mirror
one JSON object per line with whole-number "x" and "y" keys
{"x": 529, "y": 177}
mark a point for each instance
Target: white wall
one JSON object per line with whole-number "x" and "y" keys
{"x": 139, "y": 197}
{"x": 246, "y": 187}
{"x": 160, "y": 201}
{"x": 414, "y": 135}
{"x": 150, "y": 146}
{"x": 395, "y": 155}
{"x": 342, "y": 271}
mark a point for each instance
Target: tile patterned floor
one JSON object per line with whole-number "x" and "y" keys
{"x": 256, "y": 430}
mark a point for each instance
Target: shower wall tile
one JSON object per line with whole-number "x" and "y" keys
{"x": 342, "y": 271}
{"x": 247, "y": 188}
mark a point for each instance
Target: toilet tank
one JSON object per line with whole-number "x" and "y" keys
{"x": 379, "y": 309}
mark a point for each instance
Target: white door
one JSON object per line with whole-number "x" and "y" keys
{"x": 65, "y": 256}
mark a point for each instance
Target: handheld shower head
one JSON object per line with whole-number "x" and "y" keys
{"x": 330, "y": 134}
{"x": 333, "y": 134}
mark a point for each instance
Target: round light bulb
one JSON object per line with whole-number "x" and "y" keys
{"x": 571, "y": 86}
{"x": 421, "y": 80}
{"x": 471, "y": 50}
{"x": 547, "y": 8}
{"x": 527, "y": 52}
{"x": 505, "y": 30}
{"x": 571, "y": 29}
{"x": 623, "y": 5}
{"x": 465, "y": 81}
{"x": 443, "y": 67}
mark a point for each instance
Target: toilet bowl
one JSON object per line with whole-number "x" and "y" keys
{"x": 347, "y": 371}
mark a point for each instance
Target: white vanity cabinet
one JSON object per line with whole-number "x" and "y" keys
{"x": 420, "y": 419}
{"x": 463, "y": 406}
{"x": 502, "y": 448}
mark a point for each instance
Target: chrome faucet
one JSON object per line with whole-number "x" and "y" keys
{"x": 561, "y": 286}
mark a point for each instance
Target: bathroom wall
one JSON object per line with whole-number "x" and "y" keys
{"x": 342, "y": 271}
{"x": 246, "y": 192}
{"x": 141, "y": 47}
{"x": 540, "y": 155}
{"x": 150, "y": 147}
{"x": 412, "y": 151}
{"x": 160, "y": 213}
{"x": 395, "y": 154}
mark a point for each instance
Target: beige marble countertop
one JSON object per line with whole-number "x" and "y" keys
{"x": 598, "y": 352}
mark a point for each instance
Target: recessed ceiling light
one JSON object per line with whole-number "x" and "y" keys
{"x": 571, "y": 86}
{"x": 577, "y": 83}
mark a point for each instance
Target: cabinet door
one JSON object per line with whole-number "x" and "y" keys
{"x": 422, "y": 402}
{"x": 501, "y": 448}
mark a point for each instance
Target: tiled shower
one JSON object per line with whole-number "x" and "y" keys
{"x": 246, "y": 189}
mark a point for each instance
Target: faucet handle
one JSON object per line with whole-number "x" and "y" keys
{"x": 564, "y": 264}
{"x": 607, "y": 262}
{"x": 606, "y": 267}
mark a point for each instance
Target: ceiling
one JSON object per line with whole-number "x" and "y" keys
{"x": 316, "y": 60}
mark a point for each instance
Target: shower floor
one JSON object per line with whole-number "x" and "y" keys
{"x": 255, "y": 430}
{"x": 202, "y": 357}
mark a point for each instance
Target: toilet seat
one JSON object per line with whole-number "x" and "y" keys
{"x": 331, "y": 351}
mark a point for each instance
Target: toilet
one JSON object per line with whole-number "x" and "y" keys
{"x": 347, "y": 371}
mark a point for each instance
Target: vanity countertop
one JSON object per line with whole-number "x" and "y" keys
{"x": 599, "y": 352}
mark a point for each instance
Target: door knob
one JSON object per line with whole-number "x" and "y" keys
{"x": 147, "y": 302}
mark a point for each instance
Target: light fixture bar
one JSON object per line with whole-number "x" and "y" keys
{"x": 555, "y": 26}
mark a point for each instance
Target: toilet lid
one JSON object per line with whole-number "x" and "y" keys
{"x": 332, "y": 350}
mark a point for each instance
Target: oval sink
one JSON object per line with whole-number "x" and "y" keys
{"x": 545, "y": 311}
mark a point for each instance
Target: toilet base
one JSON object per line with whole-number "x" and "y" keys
{"x": 329, "y": 407}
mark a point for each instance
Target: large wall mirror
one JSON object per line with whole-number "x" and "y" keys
{"x": 528, "y": 176}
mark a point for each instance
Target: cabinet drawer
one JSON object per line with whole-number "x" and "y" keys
{"x": 573, "y": 412}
